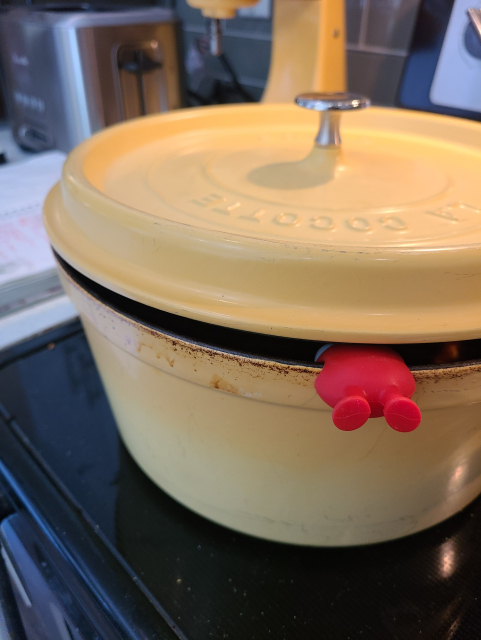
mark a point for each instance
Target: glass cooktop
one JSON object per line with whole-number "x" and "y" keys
{"x": 203, "y": 581}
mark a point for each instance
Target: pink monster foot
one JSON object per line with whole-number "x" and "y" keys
{"x": 351, "y": 413}
{"x": 402, "y": 414}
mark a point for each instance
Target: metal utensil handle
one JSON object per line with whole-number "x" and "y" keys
{"x": 330, "y": 106}
{"x": 474, "y": 16}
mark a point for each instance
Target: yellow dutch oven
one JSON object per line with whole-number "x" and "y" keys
{"x": 211, "y": 252}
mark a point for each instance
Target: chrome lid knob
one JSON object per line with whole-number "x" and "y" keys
{"x": 330, "y": 106}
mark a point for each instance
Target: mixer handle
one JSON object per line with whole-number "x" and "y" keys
{"x": 330, "y": 105}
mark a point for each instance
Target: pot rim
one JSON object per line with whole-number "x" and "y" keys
{"x": 142, "y": 314}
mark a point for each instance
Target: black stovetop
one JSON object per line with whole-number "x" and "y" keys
{"x": 164, "y": 572}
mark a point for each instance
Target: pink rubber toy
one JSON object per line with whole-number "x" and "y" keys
{"x": 365, "y": 381}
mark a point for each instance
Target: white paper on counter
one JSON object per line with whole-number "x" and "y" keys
{"x": 24, "y": 246}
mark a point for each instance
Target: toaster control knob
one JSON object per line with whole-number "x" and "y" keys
{"x": 364, "y": 381}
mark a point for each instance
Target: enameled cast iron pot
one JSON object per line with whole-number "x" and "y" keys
{"x": 211, "y": 252}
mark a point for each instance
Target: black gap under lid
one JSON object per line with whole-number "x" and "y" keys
{"x": 254, "y": 345}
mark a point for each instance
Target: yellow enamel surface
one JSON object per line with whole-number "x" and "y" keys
{"x": 228, "y": 215}
{"x": 308, "y": 49}
{"x": 249, "y": 444}
{"x": 220, "y": 9}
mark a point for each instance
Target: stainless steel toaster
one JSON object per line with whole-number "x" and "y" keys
{"x": 72, "y": 69}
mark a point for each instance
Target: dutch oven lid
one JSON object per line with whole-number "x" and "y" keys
{"x": 234, "y": 216}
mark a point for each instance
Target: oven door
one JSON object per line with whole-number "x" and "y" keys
{"x": 46, "y": 605}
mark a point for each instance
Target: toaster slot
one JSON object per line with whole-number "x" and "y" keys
{"x": 34, "y": 138}
{"x": 141, "y": 79}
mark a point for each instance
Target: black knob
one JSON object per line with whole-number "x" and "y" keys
{"x": 141, "y": 64}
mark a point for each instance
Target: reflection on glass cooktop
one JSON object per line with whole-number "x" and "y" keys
{"x": 215, "y": 583}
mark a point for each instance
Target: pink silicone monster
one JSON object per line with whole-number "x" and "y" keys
{"x": 364, "y": 381}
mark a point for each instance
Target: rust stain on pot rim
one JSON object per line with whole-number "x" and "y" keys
{"x": 218, "y": 383}
{"x": 254, "y": 378}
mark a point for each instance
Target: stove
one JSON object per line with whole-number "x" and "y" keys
{"x": 93, "y": 549}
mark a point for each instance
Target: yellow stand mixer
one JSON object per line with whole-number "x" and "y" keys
{"x": 308, "y": 44}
